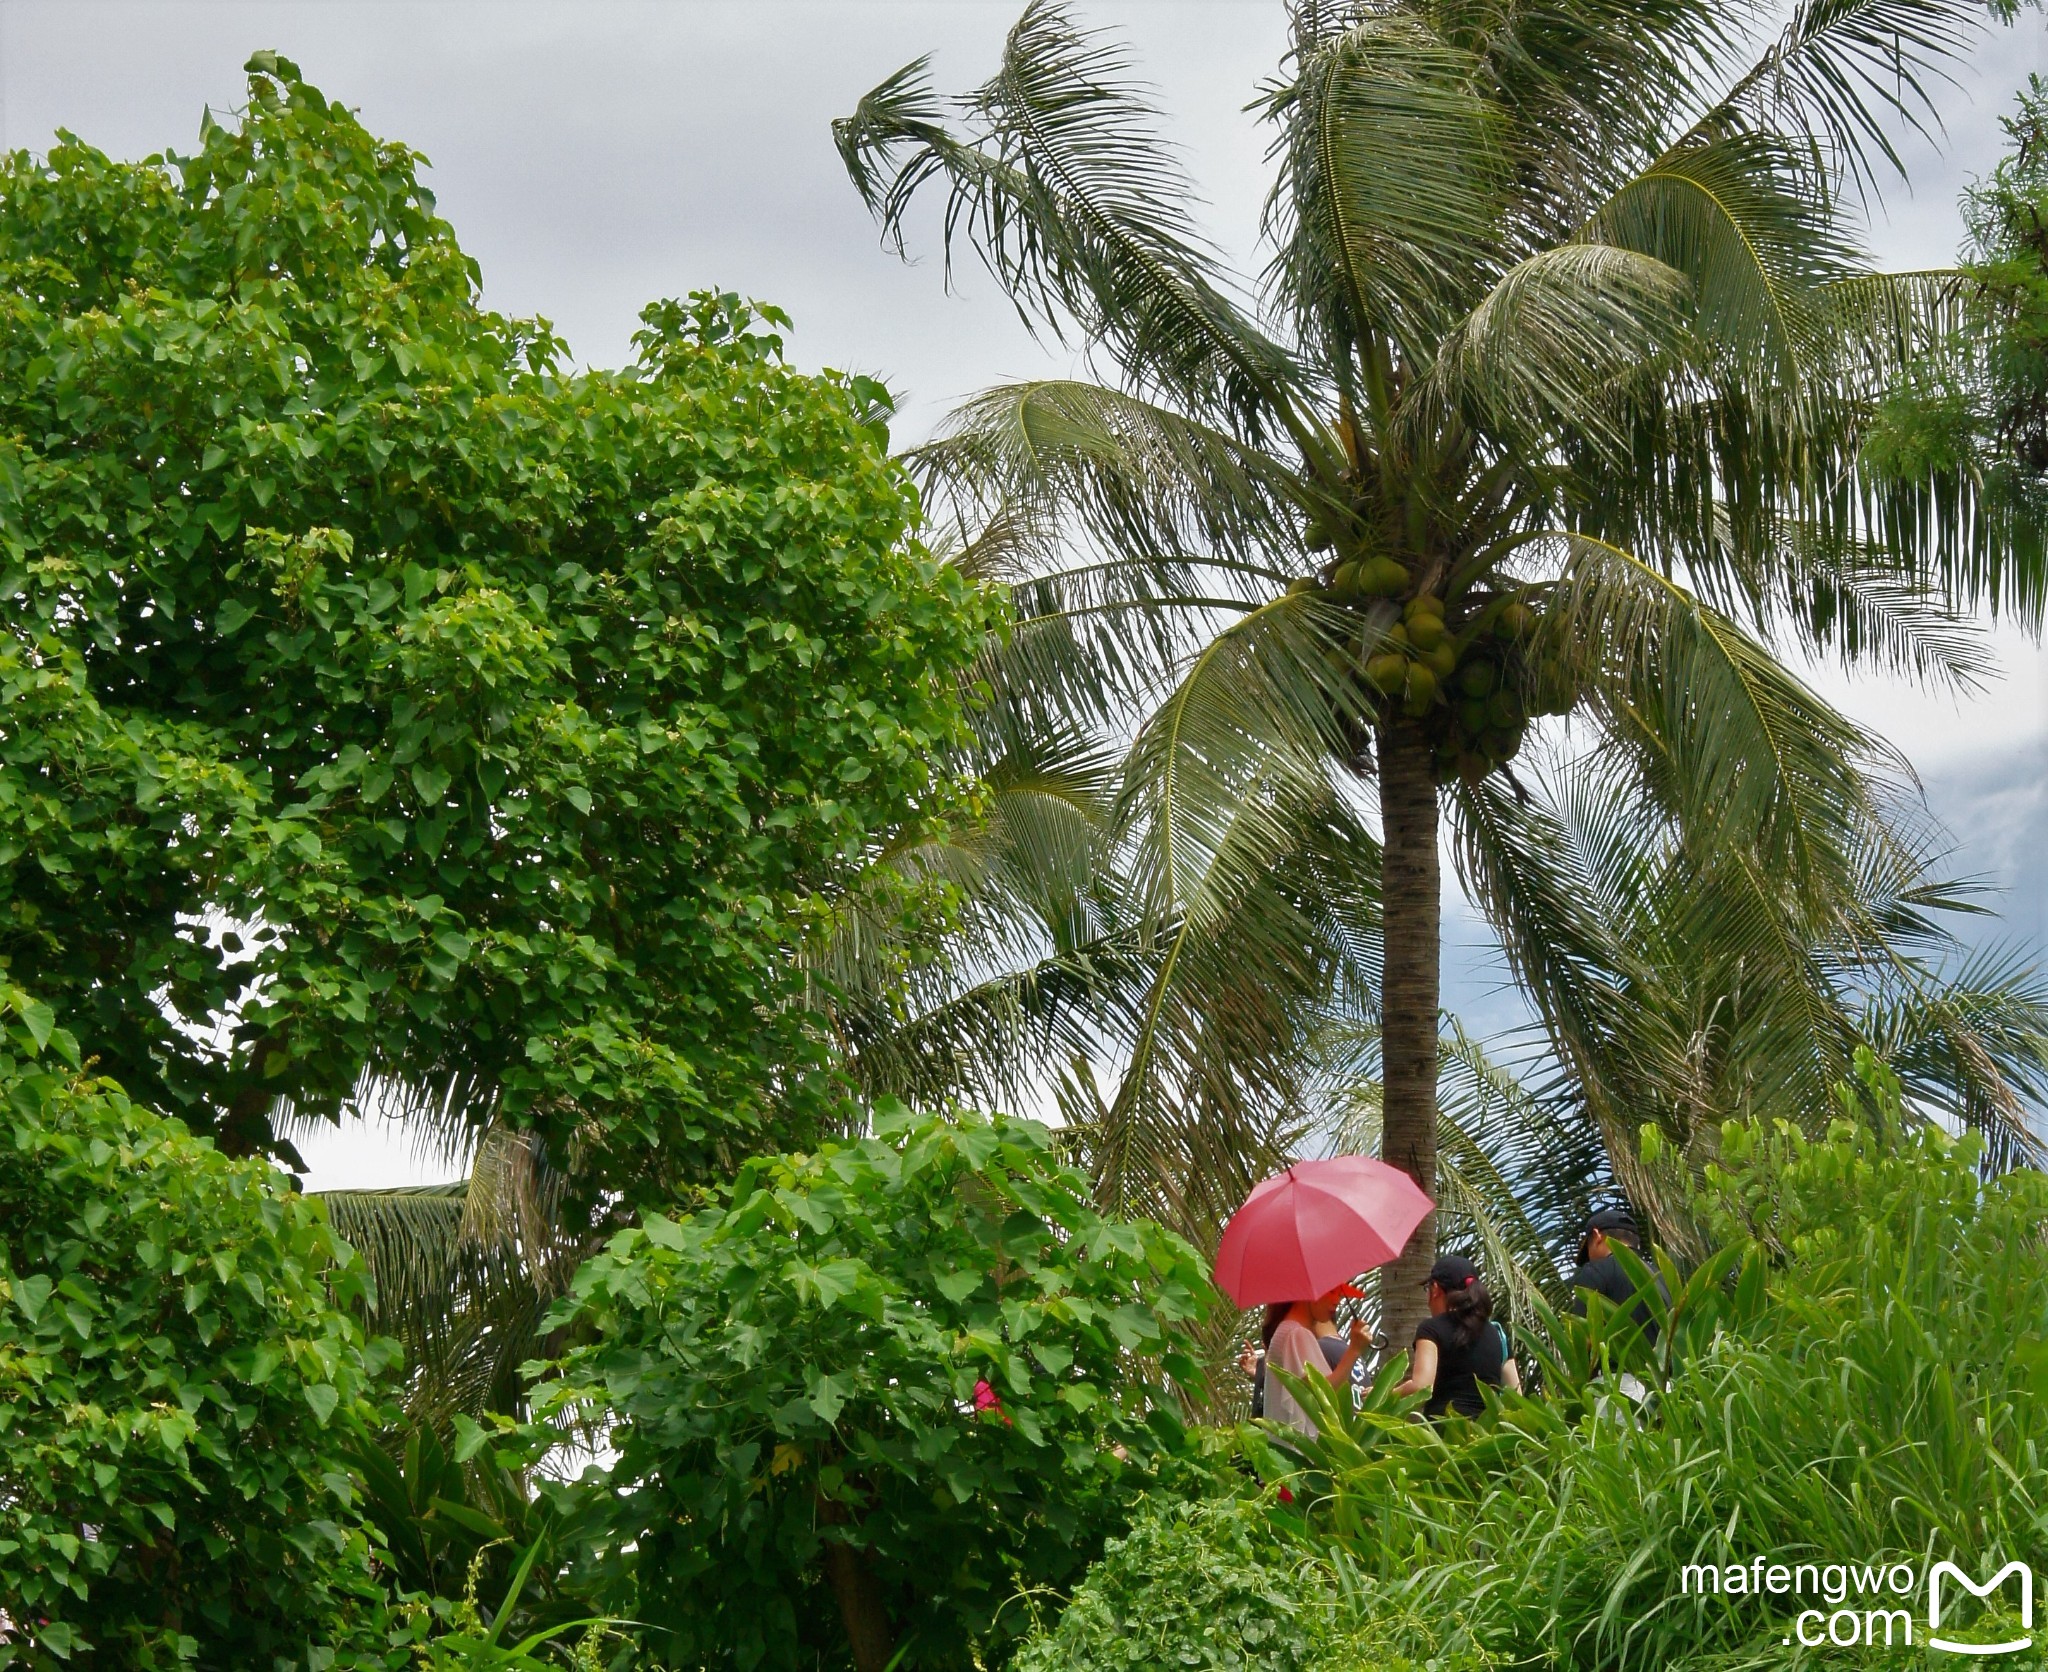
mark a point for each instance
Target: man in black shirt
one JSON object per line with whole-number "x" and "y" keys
{"x": 1601, "y": 1272}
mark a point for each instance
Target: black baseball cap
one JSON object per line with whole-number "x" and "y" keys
{"x": 1453, "y": 1271}
{"x": 1610, "y": 1219}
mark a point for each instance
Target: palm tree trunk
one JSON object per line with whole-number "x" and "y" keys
{"x": 1411, "y": 907}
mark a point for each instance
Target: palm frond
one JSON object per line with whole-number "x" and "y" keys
{"x": 1081, "y": 213}
{"x": 1003, "y": 984}
{"x": 1120, "y": 473}
{"x": 444, "y": 1110}
{"x": 1970, "y": 1043}
{"x": 1743, "y": 218}
{"x": 1216, "y": 1088}
{"x": 1678, "y": 993}
{"x": 1242, "y": 741}
{"x": 1550, "y": 348}
{"x": 1861, "y": 603}
{"x": 1164, "y": 525}
{"x": 1588, "y": 87}
{"x": 465, "y": 1272}
{"x": 1746, "y": 757}
{"x": 1844, "y": 76}
{"x": 1387, "y": 212}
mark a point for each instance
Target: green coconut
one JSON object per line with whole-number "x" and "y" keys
{"x": 1421, "y": 688}
{"x": 1383, "y": 577}
{"x": 1387, "y": 673}
{"x": 1478, "y": 678}
{"x": 1426, "y": 631}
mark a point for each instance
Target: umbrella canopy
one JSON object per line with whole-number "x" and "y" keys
{"x": 1304, "y": 1231}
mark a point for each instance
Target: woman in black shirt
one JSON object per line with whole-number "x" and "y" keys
{"x": 1458, "y": 1345}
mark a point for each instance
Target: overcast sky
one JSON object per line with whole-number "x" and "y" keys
{"x": 594, "y": 156}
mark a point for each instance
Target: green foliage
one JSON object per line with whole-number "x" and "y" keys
{"x": 444, "y": 1526}
{"x": 2008, "y": 220}
{"x": 1856, "y": 1376}
{"x": 1223, "y": 1586}
{"x": 458, "y": 1638}
{"x": 379, "y": 689}
{"x": 793, "y": 1378}
{"x": 179, "y": 1368}
{"x": 1575, "y": 1356}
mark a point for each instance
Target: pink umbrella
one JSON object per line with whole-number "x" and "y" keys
{"x": 1304, "y": 1231}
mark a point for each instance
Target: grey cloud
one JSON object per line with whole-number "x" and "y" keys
{"x": 1998, "y": 808}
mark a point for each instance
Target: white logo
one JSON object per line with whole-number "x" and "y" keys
{"x": 1980, "y": 1591}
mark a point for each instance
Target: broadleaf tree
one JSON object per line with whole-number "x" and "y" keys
{"x": 388, "y": 707}
{"x": 1554, "y": 402}
{"x": 878, "y": 1398}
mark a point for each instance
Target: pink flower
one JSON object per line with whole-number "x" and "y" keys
{"x": 987, "y": 1399}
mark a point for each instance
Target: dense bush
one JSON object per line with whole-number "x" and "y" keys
{"x": 874, "y": 1394}
{"x": 178, "y": 1369}
{"x": 384, "y": 692}
{"x": 1225, "y": 1586}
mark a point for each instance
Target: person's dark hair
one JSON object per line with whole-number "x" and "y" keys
{"x": 1617, "y": 1225}
{"x": 1469, "y": 1308}
{"x": 1275, "y": 1311}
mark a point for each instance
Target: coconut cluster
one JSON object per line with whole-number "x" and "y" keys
{"x": 1471, "y": 675}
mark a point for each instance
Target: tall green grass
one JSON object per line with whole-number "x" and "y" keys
{"x": 1858, "y": 1376}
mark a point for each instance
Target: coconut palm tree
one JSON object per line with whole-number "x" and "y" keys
{"x": 1552, "y": 403}
{"x": 1669, "y": 997}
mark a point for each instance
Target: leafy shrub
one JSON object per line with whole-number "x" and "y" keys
{"x": 874, "y": 1394}
{"x": 1219, "y": 1586}
{"x": 177, "y": 1366}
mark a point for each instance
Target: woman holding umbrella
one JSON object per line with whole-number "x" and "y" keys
{"x": 1296, "y": 1335}
{"x": 1306, "y": 1232}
